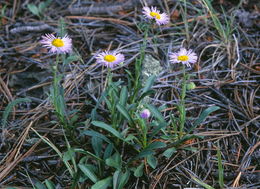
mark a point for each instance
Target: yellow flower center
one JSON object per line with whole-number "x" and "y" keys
{"x": 109, "y": 58}
{"x": 183, "y": 58}
{"x": 155, "y": 15}
{"x": 57, "y": 43}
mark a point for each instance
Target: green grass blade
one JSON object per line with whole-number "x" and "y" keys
{"x": 123, "y": 96}
{"x": 204, "y": 115}
{"x": 201, "y": 182}
{"x": 220, "y": 170}
{"x": 9, "y": 107}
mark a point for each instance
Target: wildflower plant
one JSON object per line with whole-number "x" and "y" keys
{"x": 61, "y": 46}
{"x": 186, "y": 58}
{"x": 58, "y": 46}
{"x": 129, "y": 121}
{"x": 154, "y": 16}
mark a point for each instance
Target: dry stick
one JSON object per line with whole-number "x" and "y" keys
{"x": 7, "y": 93}
{"x": 164, "y": 170}
{"x": 98, "y": 8}
{"x": 10, "y": 165}
{"x": 36, "y": 86}
{"x": 236, "y": 181}
{"x": 101, "y": 19}
{"x": 5, "y": 90}
{"x": 14, "y": 9}
{"x": 15, "y": 154}
{"x": 37, "y": 28}
{"x": 78, "y": 78}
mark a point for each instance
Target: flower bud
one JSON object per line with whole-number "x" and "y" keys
{"x": 190, "y": 86}
{"x": 145, "y": 114}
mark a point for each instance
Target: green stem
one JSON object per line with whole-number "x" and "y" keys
{"x": 138, "y": 66}
{"x": 110, "y": 93}
{"x": 143, "y": 125}
{"x": 182, "y": 103}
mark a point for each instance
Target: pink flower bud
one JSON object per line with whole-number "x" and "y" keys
{"x": 145, "y": 114}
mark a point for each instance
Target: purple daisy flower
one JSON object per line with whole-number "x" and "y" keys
{"x": 110, "y": 58}
{"x": 184, "y": 56}
{"x": 154, "y": 14}
{"x": 57, "y": 45}
{"x": 145, "y": 114}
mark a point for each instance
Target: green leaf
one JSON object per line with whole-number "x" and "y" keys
{"x": 168, "y": 153}
{"x": 220, "y": 170}
{"x": 96, "y": 134}
{"x": 158, "y": 128}
{"x": 204, "y": 115}
{"x": 97, "y": 145}
{"x": 123, "y": 96}
{"x": 44, "y": 5}
{"x": 115, "y": 179}
{"x": 123, "y": 178}
{"x": 108, "y": 151}
{"x": 41, "y": 7}
{"x": 108, "y": 103}
{"x": 152, "y": 161}
{"x": 155, "y": 145}
{"x": 87, "y": 153}
{"x": 71, "y": 58}
{"x": 103, "y": 184}
{"x": 49, "y": 184}
{"x": 148, "y": 93}
{"x": 143, "y": 154}
{"x": 124, "y": 112}
{"x": 192, "y": 149}
{"x": 33, "y": 9}
{"x": 88, "y": 172}
{"x": 156, "y": 113}
{"x": 130, "y": 137}
{"x": 39, "y": 185}
{"x": 149, "y": 149}
{"x": 115, "y": 161}
{"x": 201, "y": 182}
{"x": 120, "y": 179}
{"x": 139, "y": 170}
{"x": 74, "y": 119}
{"x": 149, "y": 84}
{"x": 9, "y": 107}
{"x": 108, "y": 128}
{"x": 70, "y": 154}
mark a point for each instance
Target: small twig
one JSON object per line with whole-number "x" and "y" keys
{"x": 31, "y": 28}
{"x": 101, "y": 19}
{"x": 101, "y": 8}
